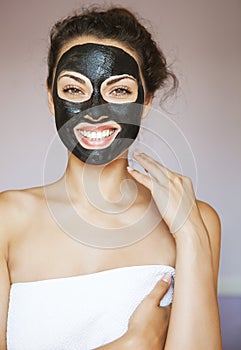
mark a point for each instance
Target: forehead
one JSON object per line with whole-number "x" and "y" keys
{"x": 98, "y": 60}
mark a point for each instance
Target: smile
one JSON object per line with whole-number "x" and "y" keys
{"x": 96, "y": 136}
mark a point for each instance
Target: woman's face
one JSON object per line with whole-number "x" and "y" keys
{"x": 98, "y": 97}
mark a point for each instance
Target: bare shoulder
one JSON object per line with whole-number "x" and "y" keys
{"x": 213, "y": 225}
{"x": 16, "y": 206}
{"x": 20, "y": 199}
{"x": 210, "y": 217}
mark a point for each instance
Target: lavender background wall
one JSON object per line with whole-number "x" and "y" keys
{"x": 202, "y": 41}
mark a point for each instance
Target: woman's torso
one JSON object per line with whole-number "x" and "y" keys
{"x": 39, "y": 250}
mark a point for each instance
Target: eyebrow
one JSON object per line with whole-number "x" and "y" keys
{"x": 73, "y": 77}
{"x": 113, "y": 81}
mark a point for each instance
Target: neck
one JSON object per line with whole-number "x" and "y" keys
{"x": 99, "y": 185}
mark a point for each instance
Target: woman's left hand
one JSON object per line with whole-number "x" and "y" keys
{"x": 172, "y": 192}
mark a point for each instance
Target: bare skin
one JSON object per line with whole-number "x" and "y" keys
{"x": 34, "y": 247}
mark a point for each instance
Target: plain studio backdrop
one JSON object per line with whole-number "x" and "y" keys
{"x": 201, "y": 40}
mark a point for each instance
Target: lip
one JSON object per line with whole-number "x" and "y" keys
{"x": 96, "y": 136}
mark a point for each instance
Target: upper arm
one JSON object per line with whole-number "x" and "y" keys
{"x": 4, "y": 273}
{"x": 4, "y": 299}
{"x": 213, "y": 226}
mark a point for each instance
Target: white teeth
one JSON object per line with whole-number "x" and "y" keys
{"x": 97, "y": 135}
{"x": 93, "y": 135}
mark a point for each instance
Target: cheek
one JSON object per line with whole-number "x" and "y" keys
{"x": 65, "y": 109}
{"x": 128, "y": 113}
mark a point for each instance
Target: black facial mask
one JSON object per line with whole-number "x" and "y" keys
{"x": 97, "y": 63}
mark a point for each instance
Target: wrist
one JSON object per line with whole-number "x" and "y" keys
{"x": 193, "y": 227}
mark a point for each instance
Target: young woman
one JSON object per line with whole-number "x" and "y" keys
{"x": 86, "y": 261}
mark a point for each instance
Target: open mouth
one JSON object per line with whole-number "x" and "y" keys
{"x": 96, "y": 136}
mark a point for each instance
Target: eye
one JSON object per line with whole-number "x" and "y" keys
{"x": 121, "y": 91}
{"x": 73, "y": 90}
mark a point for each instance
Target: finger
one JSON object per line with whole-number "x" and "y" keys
{"x": 157, "y": 170}
{"x": 143, "y": 157}
{"x": 141, "y": 178}
{"x": 160, "y": 289}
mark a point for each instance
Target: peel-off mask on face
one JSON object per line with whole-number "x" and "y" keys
{"x": 97, "y": 119}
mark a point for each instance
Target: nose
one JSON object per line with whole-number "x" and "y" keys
{"x": 93, "y": 119}
{"x": 97, "y": 107}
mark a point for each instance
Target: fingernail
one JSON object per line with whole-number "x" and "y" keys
{"x": 136, "y": 153}
{"x": 167, "y": 277}
{"x": 129, "y": 169}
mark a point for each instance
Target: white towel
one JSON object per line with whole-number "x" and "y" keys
{"x": 79, "y": 313}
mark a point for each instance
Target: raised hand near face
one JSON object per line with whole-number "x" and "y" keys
{"x": 172, "y": 192}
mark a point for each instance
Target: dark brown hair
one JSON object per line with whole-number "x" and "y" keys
{"x": 118, "y": 24}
